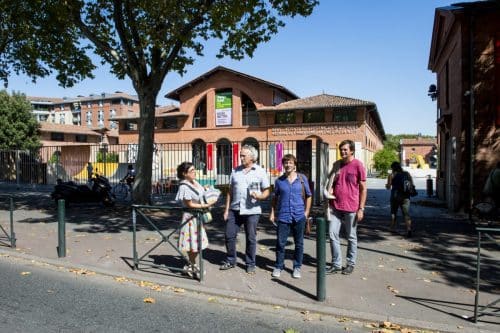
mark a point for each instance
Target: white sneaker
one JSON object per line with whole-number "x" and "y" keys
{"x": 296, "y": 273}
{"x": 276, "y": 273}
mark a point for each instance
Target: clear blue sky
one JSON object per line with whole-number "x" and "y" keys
{"x": 371, "y": 50}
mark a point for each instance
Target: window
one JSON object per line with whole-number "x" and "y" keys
{"x": 116, "y": 101}
{"x": 55, "y": 136}
{"x": 81, "y": 138}
{"x": 314, "y": 116}
{"x": 89, "y": 118}
{"x": 130, "y": 125}
{"x": 200, "y": 155}
{"x": 62, "y": 119}
{"x": 249, "y": 112}
{"x": 169, "y": 123}
{"x": 344, "y": 115}
{"x": 200, "y": 115}
{"x": 112, "y": 113}
{"x": 285, "y": 117}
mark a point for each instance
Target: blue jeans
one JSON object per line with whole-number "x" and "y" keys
{"x": 283, "y": 231}
{"x": 233, "y": 224}
{"x": 348, "y": 219}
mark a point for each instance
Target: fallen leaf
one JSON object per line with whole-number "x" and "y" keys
{"x": 212, "y": 299}
{"x": 380, "y": 266}
{"x": 364, "y": 278}
{"x": 402, "y": 270}
{"x": 427, "y": 280}
{"x": 25, "y": 273}
{"x": 149, "y": 300}
{"x": 179, "y": 290}
{"x": 343, "y": 319}
{"x": 393, "y": 304}
{"x": 276, "y": 307}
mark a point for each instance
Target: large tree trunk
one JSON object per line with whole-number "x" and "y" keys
{"x": 142, "y": 183}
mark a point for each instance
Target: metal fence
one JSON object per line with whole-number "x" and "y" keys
{"x": 213, "y": 161}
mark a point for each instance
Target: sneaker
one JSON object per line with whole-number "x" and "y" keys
{"x": 188, "y": 270}
{"x": 225, "y": 266}
{"x": 197, "y": 271}
{"x": 348, "y": 270}
{"x": 276, "y": 273}
{"x": 296, "y": 273}
{"x": 334, "y": 270}
{"x": 250, "y": 269}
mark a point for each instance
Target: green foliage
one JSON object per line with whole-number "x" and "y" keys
{"x": 110, "y": 157}
{"x": 382, "y": 160}
{"x": 18, "y": 128}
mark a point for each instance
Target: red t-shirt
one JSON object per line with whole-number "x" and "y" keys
{"x": 346, "y": 185}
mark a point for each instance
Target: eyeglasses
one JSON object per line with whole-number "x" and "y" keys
{"x": 191, "y": 170}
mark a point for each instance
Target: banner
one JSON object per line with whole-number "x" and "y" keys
{"x": 236, "y": 155}
{"x": 223, "y": 108}
{"x": 279, "y": 156}
{"x": 272, "y": 156}
{"x": 210, "y": 147}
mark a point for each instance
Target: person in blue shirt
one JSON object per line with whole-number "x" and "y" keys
{"x": 290, "y": 209}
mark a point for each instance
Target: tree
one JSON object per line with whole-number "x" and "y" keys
{"x": 382, "y": 160}
{"x": 18, "y": 127}
{"x": 144, "y": 40}
{"x": 34, "y": 41}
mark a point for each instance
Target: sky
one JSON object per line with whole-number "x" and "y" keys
{"x": 376, "y": 51}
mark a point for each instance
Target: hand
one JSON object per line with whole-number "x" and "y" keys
{"x": 271, "y": 217}
{"x": 254, "y": 195}
{"x": 360, "y": 215}
{"x": 225, "y": 215}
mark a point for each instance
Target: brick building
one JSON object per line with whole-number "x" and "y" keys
{"x": 419, "y": 152}
{"x": 465, "y": 55}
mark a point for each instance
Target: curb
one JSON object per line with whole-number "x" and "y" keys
{"x": 318, "y": 308}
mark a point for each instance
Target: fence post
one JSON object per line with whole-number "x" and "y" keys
{"x": 12, "y": 233}
{"x": 321, "y": 259}
{"x": 61, "y": 248}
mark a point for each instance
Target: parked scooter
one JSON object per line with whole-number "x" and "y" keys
{"x": 100, "y": 191}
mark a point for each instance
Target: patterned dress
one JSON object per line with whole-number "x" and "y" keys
{"x": 188, "y": 234}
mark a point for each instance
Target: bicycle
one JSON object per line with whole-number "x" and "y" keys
{"x": 121, "y": 190}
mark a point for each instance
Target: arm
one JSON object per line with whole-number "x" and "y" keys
{"x": 389, "y": 182}
{"x": 191, "y": 204}
{"x": 228, "y": 202}
{"x": 273, "y": 207}
{"x": 308, "y": 206}
{"x": 362, "y": 200}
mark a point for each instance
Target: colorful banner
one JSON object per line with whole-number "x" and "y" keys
{"x": 210, "y": 147}
{"x": 236, "y": 155}
{"x": 272, "y": 156}
{"x": 279, "y": 156}
{"x": 223, "y": 108}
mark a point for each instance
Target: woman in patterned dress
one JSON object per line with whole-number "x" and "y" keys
{"x": 190, "y": 194}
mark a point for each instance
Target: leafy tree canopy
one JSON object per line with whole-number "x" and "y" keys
{"x": 144, "y": 40}
{"x": 18, "y": 127}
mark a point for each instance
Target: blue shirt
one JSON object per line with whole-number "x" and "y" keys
{"x": 290, "y": 203}
{"x": 242, "y": 184}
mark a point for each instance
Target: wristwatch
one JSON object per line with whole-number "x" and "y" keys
{"x": 361, "y": 209}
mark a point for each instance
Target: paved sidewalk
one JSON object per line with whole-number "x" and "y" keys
{"x": 425, "y": 282}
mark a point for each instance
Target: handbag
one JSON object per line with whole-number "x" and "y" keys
{"x": 206, "y": 217}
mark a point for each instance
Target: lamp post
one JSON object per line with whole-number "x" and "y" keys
{"x": 104, "y": 149}
{"x": 433, "y": 93}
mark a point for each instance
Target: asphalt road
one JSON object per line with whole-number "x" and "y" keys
{"x": 37, "y": 297}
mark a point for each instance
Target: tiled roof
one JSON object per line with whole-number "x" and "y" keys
{"x": 160, "y": 112}
{"x": 175, "y": 94}
{"x": 63, "y": 128}
{"x": 319, "y": 101}
{"x": 93, "y": 97}
{"x": 418, "y": 141}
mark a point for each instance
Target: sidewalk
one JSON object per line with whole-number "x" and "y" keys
{"x": 425, "y": 282}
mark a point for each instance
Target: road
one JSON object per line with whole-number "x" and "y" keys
{"x": 37, "y": 297}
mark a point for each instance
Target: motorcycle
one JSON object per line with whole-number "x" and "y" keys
{"x": 100, "y": 191}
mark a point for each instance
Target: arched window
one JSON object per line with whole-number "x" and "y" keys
{"x": 224, "y": 157}
{"x": 199, "y": 157}
{"x": 200, "y": 114}
{"x": 248, "y": 112}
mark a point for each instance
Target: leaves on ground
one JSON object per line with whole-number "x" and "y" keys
{"x": 402, "y": 270}
{"x": 25, "y": 273}
{"x": 149, "y": 300}
{"x": 393, "y": 290}
{"x": 81, "y": 271}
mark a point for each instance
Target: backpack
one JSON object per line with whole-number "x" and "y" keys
{"x": 408, "y": 189}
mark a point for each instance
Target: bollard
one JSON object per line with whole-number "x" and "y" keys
{"x": 321, "y": 259}
{"x": 430, "y": 190}
{"x": 12, "y": 233}
{"x": 61, "y": 248}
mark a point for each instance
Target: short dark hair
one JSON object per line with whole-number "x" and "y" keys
{"x": 352, "y": 146}
{"x": 289, "y": 157}
{"x": 183, "y": 168}
{"x": 396, "y": 166}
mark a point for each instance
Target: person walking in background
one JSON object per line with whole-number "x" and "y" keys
{"x": 290, "y": 207}
{"x": 90, "y": 169}
{"x": 399, "y": 197}
{"x": 347, "y": 188}
{"x": 248, "y": 185}
{"x": 130, "y": 176}
{"x": 190, "y": 194}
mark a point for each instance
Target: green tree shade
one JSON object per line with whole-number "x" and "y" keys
{"x": 144, "y": 40}
{"x": 18, "y": 128}
{"x": 382, "y": 160}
